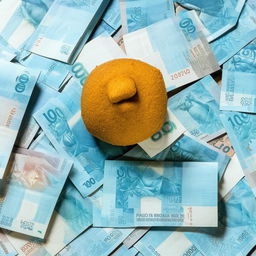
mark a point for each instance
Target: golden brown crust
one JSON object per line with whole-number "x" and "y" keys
{"x": 129, "y": 121}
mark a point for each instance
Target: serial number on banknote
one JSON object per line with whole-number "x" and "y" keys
{"x": 180, "y": 74}
{"x": 27, "y": 225}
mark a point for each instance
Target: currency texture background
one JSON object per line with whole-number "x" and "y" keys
{"x": 188, "y": 190}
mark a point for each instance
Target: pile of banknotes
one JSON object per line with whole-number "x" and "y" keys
{"x": 189, "y": 190}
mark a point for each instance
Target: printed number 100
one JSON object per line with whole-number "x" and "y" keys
{"x": 168, "y": 127}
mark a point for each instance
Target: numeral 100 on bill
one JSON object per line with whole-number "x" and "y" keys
{"x": 167, "y": 128}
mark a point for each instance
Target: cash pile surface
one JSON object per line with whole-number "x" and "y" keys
{"x": 189, "y": 190}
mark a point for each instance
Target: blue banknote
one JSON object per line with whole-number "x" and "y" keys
{"x": 184, "y": 149}
{"x": 171, "y": 130}
{"x": 158, "y": 194}
{"x": 61, "y": 121}
{"x": 29, "y": 126}
{"x": 6, "y": 248}
{"x": 241, "y": 129}
{"x": 123, "y": 250}
{"x": 165, "y": 242}
{"x": 236, "y": 232}
{"x": 20, "y": 19}
{"x": 197, "y": 108}
{"x": 238, "y": 81}
{"x": 185, "y": 44}
{"x": 72, "y": 215}
{"x": 94, "y": 53}
{"x": 102, "y": 29}
{"x": 16, "y": 86}
{"x": 7, "y": 52}
{"x": 42, "y": 144}
{"x": 110, "y": 22}
{"x": 62, "y": 39}
{"x": 217, "y": 16}
{"x": 230, "y": 43}
{"x": 112, "y": 15}
{"x": 136, "y": 235}
{"x": 30, "y": 191}
{"x": 96, "y": 241}
{"x": 137, "y": 14}
{"x": 52, "y": 72}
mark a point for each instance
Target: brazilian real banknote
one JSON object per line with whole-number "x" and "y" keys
{"x": 30, "y": 191}
{"x": 183, "y": 55}
{"x": 137, "y": 14}
{"x": 163, "y": 241}
{"x": 20, "y": 18}
{"x": 135, "y": 236}
{"x": 244, "y": 32}
{"x": 166, "y": 242}
{"x": 233, "y": 174}
{"x": 42, "y": 144}
{"x": 123, "y": 250}
{"x": 7, "y": 52}
{"x": 72, "y": 215}
{"x": 102, "y": 29}
{"x": 110, "y": 21}
{"x": 238, "y": 81}
{"x": 96, "y": 241}
{"x": 197, "y": 108}
{"x": 29, "y": 126}
{"x": 171, "y": 130}
{"x": 217, "y": 16}
{"x": 223, "y": 144}
{"x": 6, "y": 248}
{"x": 60, "y": 118}
{"x": 241, "y": 129}
{"x": 185, "y": 149}
{"x": 236, "y": 231}
{"x": 63, "y": 39}
{"x": 159, "y": 194}
{"x": 16, "y": 87}
{"x": 94, "y": 53}
{"x": 112, "y": 15}
{"x": 52, "y": 72}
